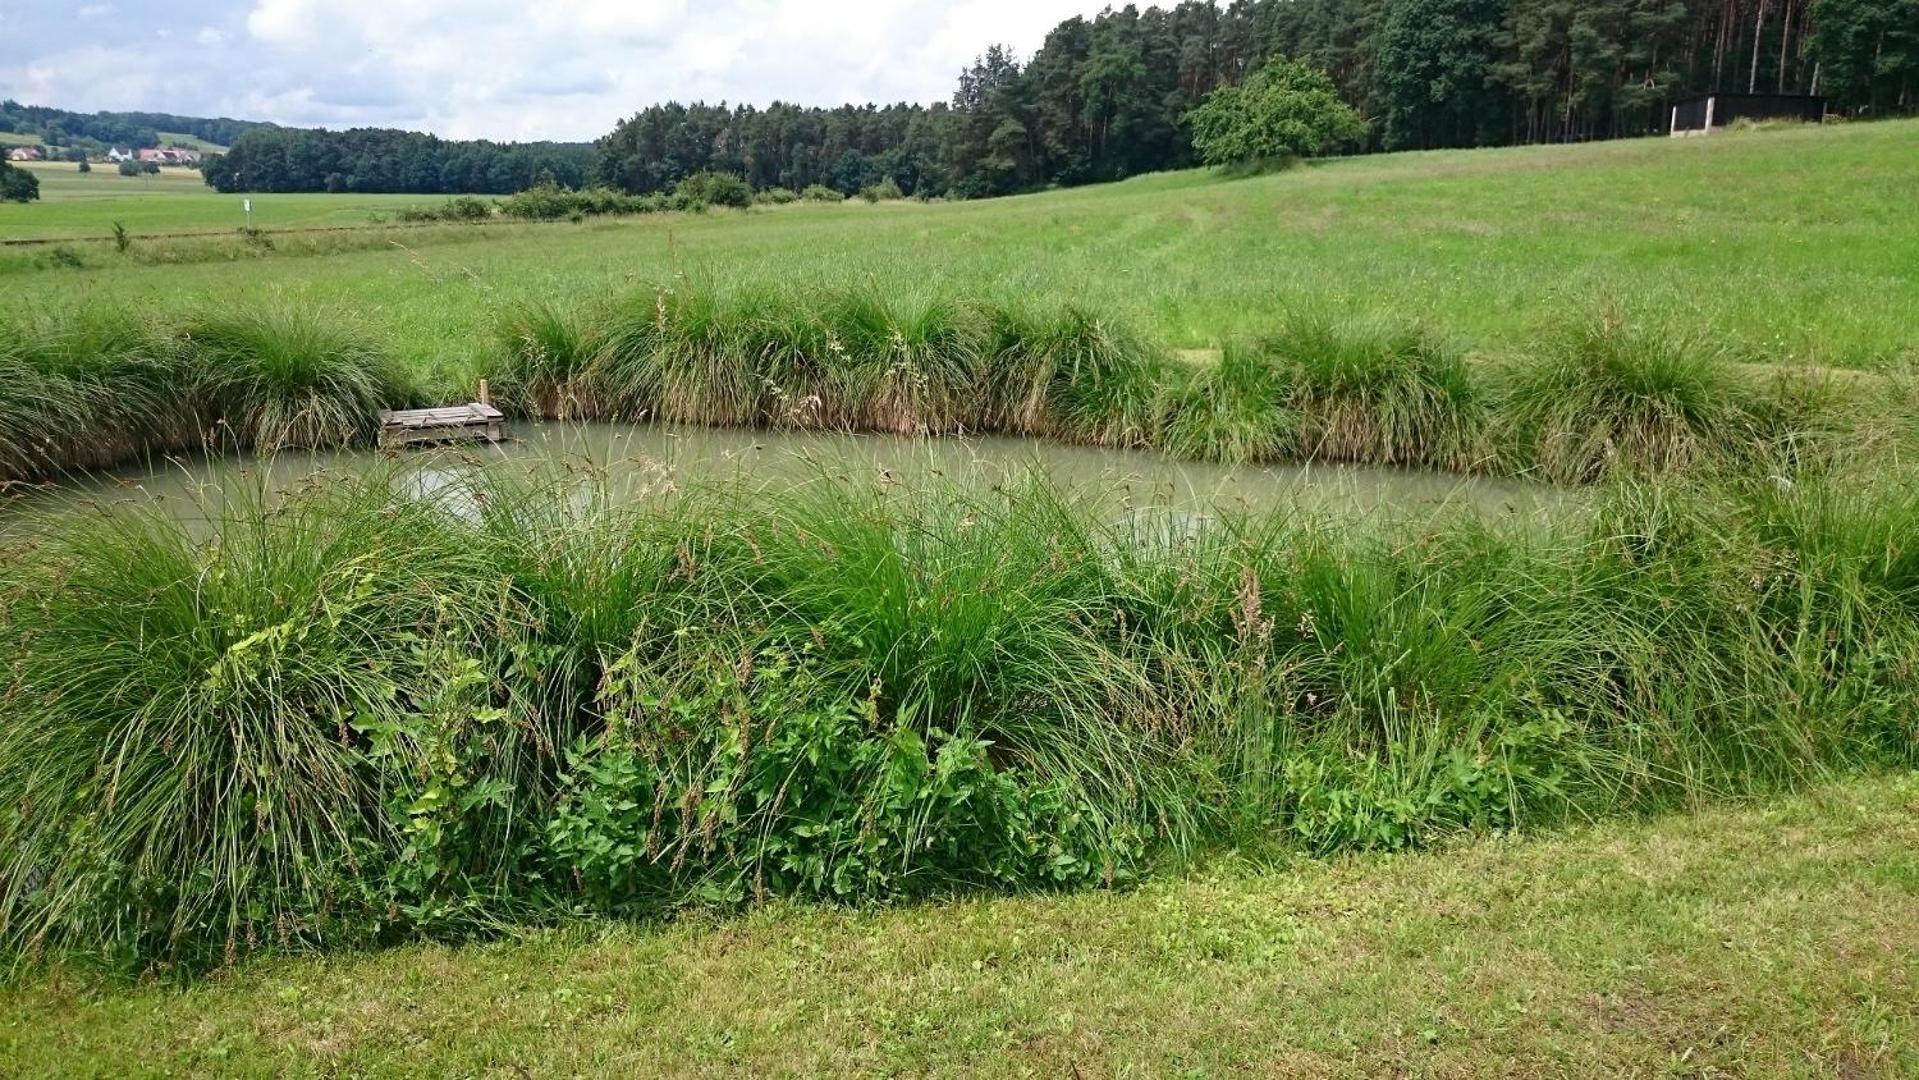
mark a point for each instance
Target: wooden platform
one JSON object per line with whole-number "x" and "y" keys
{"x": 454, "y": 423}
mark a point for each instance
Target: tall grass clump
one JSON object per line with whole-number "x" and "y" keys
{"x": 838, "y": 359}
{"x": 1600, "y": 399}
{"x": 809, "y": 374}
{"x": 1319, "y": 390}
{"x": 1605, "y": 396}
{"x": 1232, "y": 411}
{"x": 219, "y": 741}
{"x": 917, "y": 361}
{"x": 282, "y": 376}
{"x": 37, "y": 410}
{"x": 549, "y": 361}
{"x": 1816, "y": 420}
{"x": 88, "y": 387}
{"x": 675, "y": 354}
{"x": 1069, "y": 374}
{"x": 349, "y": 714}
{"x": 855, "y": 693}
{"x": 1374, "y": 392}
{"x": 967, "y": 612}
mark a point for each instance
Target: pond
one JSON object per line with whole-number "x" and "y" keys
{"x": 633, "y": 460}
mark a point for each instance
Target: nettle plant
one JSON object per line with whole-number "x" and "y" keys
{"x": 734, "y": 779}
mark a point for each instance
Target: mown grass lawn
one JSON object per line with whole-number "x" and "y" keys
{"x": 1770, "y": 938}
{"x": 1797, "y": 246}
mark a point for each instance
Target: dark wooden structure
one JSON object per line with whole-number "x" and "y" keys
{"x": 456, "y": 423}
{"x": 1698, "y": 115}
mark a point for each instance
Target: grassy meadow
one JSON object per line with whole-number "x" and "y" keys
{"x": 1762, "y": 939}
{"x": 1794, "y": 247}
{"x": 84, "y": 206}
{"x": 1141, "y": 791}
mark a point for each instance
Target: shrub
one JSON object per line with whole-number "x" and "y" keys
{"x": 18, "y": 185}
{"x": 60, "y": 257}
{"x": 714, "y": 189}
{"x": 884, "y": 190}
{"x": 733, "y": 789}
{"x": 1285, "y": 109}
{"x": 821, "y": 193}
{"x": 550, "y": 202}
{"x": 543, "y": 202}
{"x": 459, "y": 208}
{"x": 776, "y": 196}
{"x": 467, "y": 208}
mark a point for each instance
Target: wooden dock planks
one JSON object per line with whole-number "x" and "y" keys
{"x": 454, "y": 423}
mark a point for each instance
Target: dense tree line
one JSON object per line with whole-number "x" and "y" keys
{"x": 1115, "y": 95}
{"x": 1110, "y": 96}
{"x": 381, "y": 159}
{"x": 127, "y": 130}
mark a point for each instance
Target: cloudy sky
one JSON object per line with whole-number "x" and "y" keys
{"x": 493, "y": 68}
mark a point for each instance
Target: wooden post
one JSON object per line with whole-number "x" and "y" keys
{"x": 486, "y": 395}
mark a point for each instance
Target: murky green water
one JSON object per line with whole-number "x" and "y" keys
{"x": 636, "y": 459}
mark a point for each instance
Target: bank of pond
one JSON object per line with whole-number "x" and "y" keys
{"x": 295, "y": 694}
{"x": 1592, "y": 399}
{"x": 365, "y": 705}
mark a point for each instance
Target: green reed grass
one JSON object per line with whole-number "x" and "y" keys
{"x": 195, "y": 708}
{"x": 1595, "y": 400}
{"x": 1234, "y": 411}
{"x": 101, "y": 385}
{"x": 549, "y": 356}
{"x": 87, "y": 388}
{"x": 1375, "y": 392}
{"x": 1605, "y": 396}
{"x": 350, "y": 713}
{"x": 286, "y": 376}
{"x": 1070, "y": 374}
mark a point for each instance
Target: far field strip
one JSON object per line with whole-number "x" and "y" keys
{"x": 79, "y": 206}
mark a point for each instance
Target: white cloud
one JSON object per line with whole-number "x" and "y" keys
{"x": 507, "y": 69}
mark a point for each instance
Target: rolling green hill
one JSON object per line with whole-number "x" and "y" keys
{"x": 176, "y": 138}
{"x": 1794, "y": 246}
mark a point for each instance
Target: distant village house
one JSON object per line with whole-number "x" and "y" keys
{"x": 25, "y": 153}
{"x": 170, "y": 155}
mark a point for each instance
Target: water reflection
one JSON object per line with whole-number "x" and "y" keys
{"x": 634, "y": 461}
